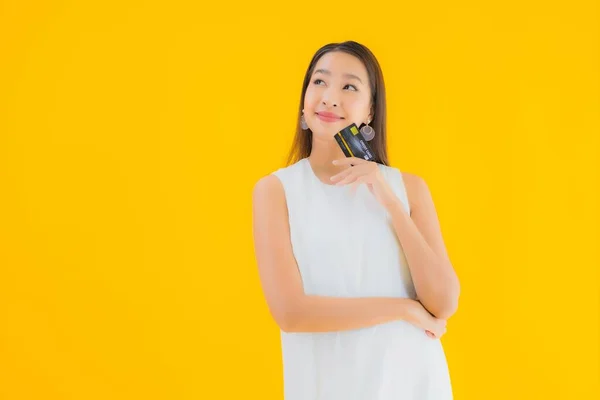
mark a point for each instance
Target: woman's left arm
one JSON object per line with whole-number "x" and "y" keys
{"x": 419, "y": 233}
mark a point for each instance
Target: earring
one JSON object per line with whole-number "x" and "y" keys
{"x": 367, "y": 132}
{"x": 303, "y": 124}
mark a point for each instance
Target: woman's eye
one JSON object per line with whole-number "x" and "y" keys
{"x": 316, "y": 82}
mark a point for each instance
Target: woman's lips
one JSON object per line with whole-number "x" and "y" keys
{"x": 328, "y": 119}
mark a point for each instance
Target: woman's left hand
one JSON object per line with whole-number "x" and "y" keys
{"x": 366, "y": 172}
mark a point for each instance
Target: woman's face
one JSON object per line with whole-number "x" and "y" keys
{"x": 338, "y": 85}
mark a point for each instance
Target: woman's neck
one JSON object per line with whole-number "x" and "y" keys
{"x": 321, "y": 156}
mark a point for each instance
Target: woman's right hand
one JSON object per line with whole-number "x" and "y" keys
{"x": 421, "y": 318}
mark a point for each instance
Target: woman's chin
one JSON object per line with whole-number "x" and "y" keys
{"x": 325, "y": 134}
{"x": 329, "y": 138}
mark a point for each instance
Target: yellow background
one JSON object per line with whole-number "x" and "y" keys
{"x": 132, "y": 133}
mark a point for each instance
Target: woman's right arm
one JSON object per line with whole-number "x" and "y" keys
{"x": 281, "y": 282}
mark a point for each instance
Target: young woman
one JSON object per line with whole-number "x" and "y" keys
{"x": 350, "y": 254}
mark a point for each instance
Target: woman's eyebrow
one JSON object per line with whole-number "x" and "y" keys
{"x": 327, "y": 72}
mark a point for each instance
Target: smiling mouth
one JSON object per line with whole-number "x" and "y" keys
{"x": 328, "y": 118}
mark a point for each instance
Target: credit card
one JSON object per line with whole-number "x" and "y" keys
{"x": 353, "y": 144}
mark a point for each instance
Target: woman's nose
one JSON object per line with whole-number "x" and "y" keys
{"x": 330, "y": 98}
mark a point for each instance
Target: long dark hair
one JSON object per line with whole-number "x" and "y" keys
{"x": 302, "y": 142}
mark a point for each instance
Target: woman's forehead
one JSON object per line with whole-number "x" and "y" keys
{"x": 341, "y": 64}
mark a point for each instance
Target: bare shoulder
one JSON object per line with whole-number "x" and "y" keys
{"x": 267, "y": 185}
{"x": 267, "y": 192}
{"x": 416, "y": 189}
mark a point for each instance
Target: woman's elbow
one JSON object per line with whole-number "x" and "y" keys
{"x": 283, "y": 321}
{"x": 449, "y": 309}
{"x": 287, "y": 317}
{"x": 450, "y": 305}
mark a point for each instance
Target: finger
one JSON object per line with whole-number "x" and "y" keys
{"x": 349, "y": 160}
{"x": 359, "y": 180}
{"x": 341, "y": 175}
{"x": 362, "y": 179}
{"x": 357, "y": 183}
{"x": 348, "y": 179}
{"x": 358, "y": 170}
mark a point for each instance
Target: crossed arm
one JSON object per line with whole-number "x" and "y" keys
{"x": 419, "y": 233}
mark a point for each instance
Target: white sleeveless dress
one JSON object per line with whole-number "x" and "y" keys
{"x": 345, "y": 246}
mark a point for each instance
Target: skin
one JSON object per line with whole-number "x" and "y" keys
{"x": 347, "y": 97}
{"x": 418, "y": 233}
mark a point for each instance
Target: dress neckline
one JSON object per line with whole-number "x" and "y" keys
{"x": 319, "y": 181}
